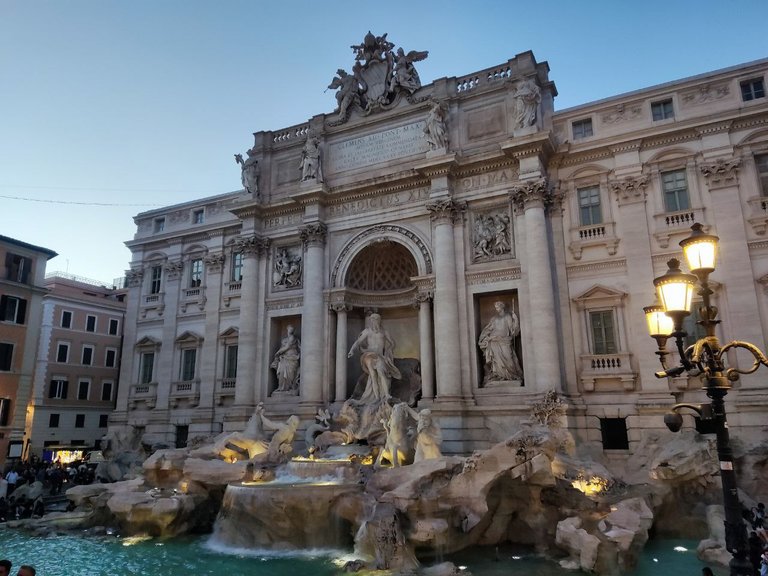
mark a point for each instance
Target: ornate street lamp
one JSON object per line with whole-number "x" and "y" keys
{"x": 705, "y": 358}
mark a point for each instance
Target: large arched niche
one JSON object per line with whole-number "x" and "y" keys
{"x": 374, "y": 273}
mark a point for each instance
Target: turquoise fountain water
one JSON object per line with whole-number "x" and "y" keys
{"x": 115, "y": 556}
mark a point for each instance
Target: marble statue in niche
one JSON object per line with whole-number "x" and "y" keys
{"x": 377, "y": 360}
{"x": 286, "y": 362}
{"x": 497, "y": 343}
{"x": 527, "y": 98}
{"x": 311, "y": 168}
{"x": 435, "y": 129}
{"x": 491, "y": 236}
{"x": 287, "y": 268}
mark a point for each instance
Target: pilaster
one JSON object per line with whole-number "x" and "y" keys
{"x": 313, "y": 236}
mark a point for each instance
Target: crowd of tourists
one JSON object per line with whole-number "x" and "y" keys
{"x": 53, "y": 478}
{"x": 758, "y": 539}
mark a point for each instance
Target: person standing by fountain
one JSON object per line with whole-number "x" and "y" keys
{"x": 376, "y": 359}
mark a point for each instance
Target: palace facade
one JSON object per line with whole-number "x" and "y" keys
{"x": 431, "y": 204}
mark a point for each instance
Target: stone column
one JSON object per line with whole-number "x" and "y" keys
{"x": 128, "y": 370}
{"x": 252, "y": 248}
{"x": 165, "y": 360}
{"x": 341, "y": 310}
{"x": 530, "y": 198}
{"x": 444, "y": 213}
{"x": 631, "y": 196}
{"x": 312, "y": 343}
{"x": 734, "y": 265}
{"x": 208, "y": 365}
{"x": 427, "y": 360}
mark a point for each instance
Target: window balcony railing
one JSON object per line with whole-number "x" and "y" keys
{"x": 668, "y": 224}
{"x": 194, "y": 296}
{"x": 145, "y": 393}
{"x": 185, "y": 391}
{"x": 613, "y": 370}
{"x": 596, "y": 235}
{"x": 225, "y": 388}
{"x": 758, "y": 218}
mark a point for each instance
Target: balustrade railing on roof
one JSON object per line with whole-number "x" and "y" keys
{"x": 483, "y": 78}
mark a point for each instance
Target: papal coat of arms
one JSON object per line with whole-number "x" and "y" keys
{"x": 379, "y": 76}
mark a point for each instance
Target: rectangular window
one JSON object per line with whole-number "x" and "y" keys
{"x": 83, "y": 387}
{"x": 752, "y": 89}
{"x": 662, "y": 110}
{"x": 237, "y": 267}
{"x": 12, "y": 309}
{"x": 110, "y": 360}
{"x": 198, "y": 217}
{"x": 6, "y": 356}
{"x": 188, "y": 358}
{"x": 589, "y": 206}
{"x": 17, "y": 268}
{"x": 62, "y": 353}
{"x": 53, "y": 421}
{"x": 79, "y": 421}
{"x": 675, "y": 187}
{"x": 147, "y": 367}
{"x": 66, "y": 319}
{"x": 87, "y": 357}
{"x": 230, "y": 362}
{"x": 90, "y": 323}
{"x": 761, "y": 162}
{"x": 159, "y": 225}
{"x": 614, "y": 432}
{"x": 195, "y": 273}
{"x": 58, "y": 389}
{"x": 582, "y": 128}
{"x": 103, "y": 420}
{"x": 106, "y": 391}
{"x": 603, "y": 333}
{"x": 5, "y": 411}
{"x": 156, "y": 277}
{"x": 114, "y": 327}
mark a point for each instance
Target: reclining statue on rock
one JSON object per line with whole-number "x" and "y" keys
{"x": 281, "y": 444}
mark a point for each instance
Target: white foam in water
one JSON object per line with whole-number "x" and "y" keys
{"x": 212, "y": 545}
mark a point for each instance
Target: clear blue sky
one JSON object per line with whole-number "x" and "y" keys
{"x": 144, "y": 102}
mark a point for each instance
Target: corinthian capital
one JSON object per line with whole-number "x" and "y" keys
{"x": 630, "y": 189}
{"x": 313, "y": 234}
{"x": 531, "y": 193}
{"x": 445, "y": 210}
{"x": 214, "y": 262}
{"x": 723, "y": 172}
{"x": 252, "y": 245}
{"x": 133, "y": 277}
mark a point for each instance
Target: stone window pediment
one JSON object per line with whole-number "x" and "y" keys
{"x": 189, "y": 337}
{"x": 148, "y": 342}
{"x": 600, "y": 296}
{"x": 230, "y": 333}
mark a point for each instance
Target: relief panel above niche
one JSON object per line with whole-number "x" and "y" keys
{"x": 485, "y": 122}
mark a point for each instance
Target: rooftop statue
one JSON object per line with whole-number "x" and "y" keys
{"x": 310, "y": 166}
{"x": 527, "y": 98}
{"x": 435, "y": 129}
{"x": 378, "y": 77}
{"x": 249, "y": 173}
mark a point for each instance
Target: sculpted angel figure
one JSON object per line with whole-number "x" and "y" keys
{"x": 310, "y": 166}
{"x": 527, "y": 98}
{"x": 496, "y": 342}
{"x": 347, "y": 93}
{"x": 435, "y": 130}
{"x": 286, "y": 362}
{"x": 249, "y": 175}
{"x": 376, "y": 359}
{"x": 404, "y": 73}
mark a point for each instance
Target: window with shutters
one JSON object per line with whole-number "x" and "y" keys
{"x": 6, "y": 356}
{"x": 17, "y": 268}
